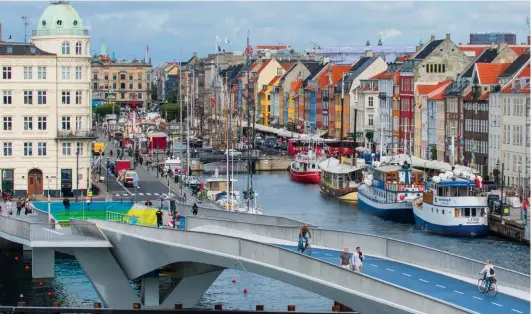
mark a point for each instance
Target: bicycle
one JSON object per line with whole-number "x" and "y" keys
{"x": 492, "y": 288}
{"x": 306, "y": 248}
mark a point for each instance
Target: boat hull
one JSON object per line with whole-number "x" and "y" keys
{"x": 401, "y": 212}
{"x": 312, "y": 177}
{"x": 452, "y": 230}
{"x": 347, "y": 194}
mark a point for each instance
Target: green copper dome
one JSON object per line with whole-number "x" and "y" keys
{"x": 60, "y": 18}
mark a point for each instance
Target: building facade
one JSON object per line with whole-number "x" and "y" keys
{"x": 492, "y": 38}
{"x": 46, "y": 108}
{"x": 130, "y": 81}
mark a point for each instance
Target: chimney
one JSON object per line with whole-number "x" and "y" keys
{"x": 528, "y": 37}
{"x": 432, "y": 38}
{"x": 448, "y": 36}
{"x": 502, "y": 46}
{"x": 368, "y": 53}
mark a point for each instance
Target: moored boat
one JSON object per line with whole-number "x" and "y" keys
{"x": 341, "y": 180}
{"x": 305, "y": 168}
{"x": 389, "y": 190}
{"x": 453, "y": 205}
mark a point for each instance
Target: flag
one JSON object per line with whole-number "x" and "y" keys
{"x": 217, "y": 39}
{"x": 213, "y": 101}
{"x": 147, "y": 48}
{"x": 218, "y": 48}
{"x": 227, "y": 41}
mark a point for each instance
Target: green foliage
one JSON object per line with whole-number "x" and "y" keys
{"x": 154, "y": 88}
{"x": 172, "y": 111}
{"x": 106, "y": 109}
{"x": 433, "y": 152}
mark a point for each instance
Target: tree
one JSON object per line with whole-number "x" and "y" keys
{"x": 106, "y": 109}
{"x": 172, "y": 97}
{"x": 433, "y": 153}
{"x": 496, "y": 174}
{"x": 154, "y": 91}
{"x": 172, "y": 112}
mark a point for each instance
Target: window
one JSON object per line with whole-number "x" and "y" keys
{"x": 8, "y": 149}
{"x": 122, "y": 85}
{"x": 28, "y": 149}
{"x": 41, "y": 97}
{"x": 114, "y": 76}
{"x": 41, "y": 123}
{"x": 139, "y": 85}
{"x": 78, "y": 48}
{"x": 28, "y": 97}
{"x": 41, "y": 73}
{"x": 131, "y": 87}
{"x": 95, "y": 76}
{"x": 140, "y": 76}
{"x": 65, "y": 73}
{"x": 6, "y": 73}
{"x": 78, "y": 123}
{"x": 78, "y": 73}
{"x": 65, "y": 98}
{"x": 28, "y": 71}
{"x": 122, "y": 95}
{"x": 95, "y": 85}
{"x": 122, "y": 76}
{"x": 67, "y": 149}
{"x": 114, "y": 85}
{"x": 79, "y": 149}
{"x": 8, "y": 124}
{"x": 28, "y": 123}
{"x": 78, "y": 97}
{"x": 8, "y": 97}
{"x": 65, "y": 123}
{"x": 106, "y": 76}
{"x": 371, "y": 119}
{"x": 130, "y": 77}
{"x": 41, "y": 149}
{"x": 65, "y": 47}
{"x": 139, "y": 96}
{"x": 371, "y": 102}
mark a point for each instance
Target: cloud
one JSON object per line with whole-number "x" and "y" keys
{"x": 388, "y": 33}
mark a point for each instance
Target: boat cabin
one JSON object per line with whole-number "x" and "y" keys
{"x": 342, "y": 176}
{"x": 397, "y": 178}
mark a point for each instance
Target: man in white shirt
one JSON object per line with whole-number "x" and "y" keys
{"x": 357, "y": 259}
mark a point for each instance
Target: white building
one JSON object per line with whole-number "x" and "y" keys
{"x": 46, "y": 107}
{"x": 515, "y": 130}
{"x": 370, "y": 112}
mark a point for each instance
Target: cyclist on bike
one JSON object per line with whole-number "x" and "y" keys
{"x": 303, "y": 236}
{"x": 488, "y": 273}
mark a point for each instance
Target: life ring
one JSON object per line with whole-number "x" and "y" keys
{"x": 401, "y": 187}
{"x": 421, "y": 188}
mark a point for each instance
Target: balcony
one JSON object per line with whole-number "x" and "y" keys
{"x": 76, "y": 134}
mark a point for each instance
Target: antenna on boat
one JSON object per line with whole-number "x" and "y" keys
{"x": 342, "y": 104}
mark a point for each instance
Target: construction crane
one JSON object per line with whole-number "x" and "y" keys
{"x": 26, "y": 23}
{"x": 315, "y": 46}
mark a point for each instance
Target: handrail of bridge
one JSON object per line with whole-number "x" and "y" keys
{"x": 15, "y": 227}
{"x": 123, "y": 218}
{"x": 378, "y": 246}
{"x": 257, "y": 256}
{"x": 85, "y": 229}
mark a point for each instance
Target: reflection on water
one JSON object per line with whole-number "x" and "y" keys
{"x": 278, "y": 196}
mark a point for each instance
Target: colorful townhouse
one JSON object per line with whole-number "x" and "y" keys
{"x": 371, "y": 123}
{"x": 263, "y": 72}
{"x": 328, "y": 82}
{"x": 437, "y": 61}
{"x": 366, "y": 67}
{"x": 306, "y": 108}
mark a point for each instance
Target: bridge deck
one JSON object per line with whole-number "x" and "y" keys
{"x": 436, "y": 285}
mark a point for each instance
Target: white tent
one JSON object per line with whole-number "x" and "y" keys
{"x": 430, "y": 164}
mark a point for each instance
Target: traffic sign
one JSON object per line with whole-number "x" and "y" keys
{"x": 90, "y": 193}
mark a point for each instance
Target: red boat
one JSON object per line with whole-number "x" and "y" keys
{"x": 305, "y": 168}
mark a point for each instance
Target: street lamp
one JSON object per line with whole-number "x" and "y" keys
{"x": 77, "y": 174}
{"x": 49, "y": 200}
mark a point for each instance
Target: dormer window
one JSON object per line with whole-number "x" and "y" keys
{"x": 43, "y": 23}
{"x": 59, "y": 23}
{"x": 9, "y": 49}
{"x": 33, "y": 50}
{"x": 75, "y": 23}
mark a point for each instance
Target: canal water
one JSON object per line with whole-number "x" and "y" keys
{"x": 278, "y": 196}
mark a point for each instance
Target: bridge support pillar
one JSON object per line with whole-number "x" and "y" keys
{"x": 190, "y": 289}
{"x": 26, "y": 248}
{"x": 150, "y": 289}
{"x": 42, "y": 262}
{"x": 107, "y": 277}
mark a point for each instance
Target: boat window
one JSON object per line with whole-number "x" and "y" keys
{"x": 474, "y": 212}
{"x": 443, "y": 211}
{"x": 467, "y": 212}
{"x": 456, "y": 212}
{"x": 432, "y": 209}
{"x": 437, "y": 210}
{"x": 440, "y": 191}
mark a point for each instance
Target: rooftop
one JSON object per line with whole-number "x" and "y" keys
{"x": 422, "y": 54}
{"x": 515, "y": 66}
{"x": 487, "y": 73}
{"x": 21, "y": 49}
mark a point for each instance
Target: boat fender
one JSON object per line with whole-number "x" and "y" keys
{"x": 421, "y": 188}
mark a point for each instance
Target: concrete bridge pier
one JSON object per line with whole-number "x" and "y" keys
{"x": 150, "y": 289}
{"x": 42, "y": 262}
{"x": 190, "y": 289}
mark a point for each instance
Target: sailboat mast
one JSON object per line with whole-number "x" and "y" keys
{"x": 249, "y": 101}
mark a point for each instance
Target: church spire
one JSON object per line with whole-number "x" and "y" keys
{"x": 103, "y": 51}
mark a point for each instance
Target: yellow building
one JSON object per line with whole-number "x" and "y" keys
{"x": 269, "y": 102}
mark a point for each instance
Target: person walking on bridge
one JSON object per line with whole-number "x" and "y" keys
{"x": 344, "y": 260}
{"x": 159, "y": 214}
{"x": 357, "y": 259}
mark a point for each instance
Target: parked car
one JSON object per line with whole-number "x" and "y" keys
{"x": 233, "y": 153}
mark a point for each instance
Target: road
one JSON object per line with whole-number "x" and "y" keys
{"x": 149, "y": 188}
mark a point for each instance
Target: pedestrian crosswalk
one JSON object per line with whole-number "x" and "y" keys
{"x": 133, "y": 194}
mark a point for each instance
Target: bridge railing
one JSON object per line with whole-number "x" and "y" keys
{"x": 15, "y": 227}
{"x": 86, "y": 229}
{"x": 123, "y": 218}
{"x": 377, "y": 246}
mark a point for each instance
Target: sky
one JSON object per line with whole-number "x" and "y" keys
{"x": 175, "y": 30}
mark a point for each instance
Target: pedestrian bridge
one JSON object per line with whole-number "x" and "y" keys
{"x": 398, "y": 277}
